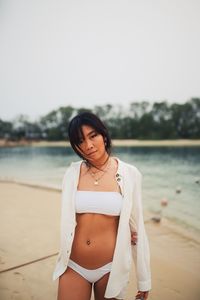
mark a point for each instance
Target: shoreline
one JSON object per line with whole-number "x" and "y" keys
{"x": 115, "y": 142}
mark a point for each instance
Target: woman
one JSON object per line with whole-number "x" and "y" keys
{"x": 101, "y": 210}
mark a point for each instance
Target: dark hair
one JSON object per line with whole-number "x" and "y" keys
{"x": 75, "y": 133}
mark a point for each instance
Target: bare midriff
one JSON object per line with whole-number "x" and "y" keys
{"x": 94, "y": 240}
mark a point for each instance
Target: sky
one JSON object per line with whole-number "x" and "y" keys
{"x": 86, "y": 52}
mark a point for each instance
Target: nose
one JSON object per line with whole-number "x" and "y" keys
{"x": 89, "y": 144}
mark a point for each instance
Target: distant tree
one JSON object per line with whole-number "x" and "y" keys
{"x": 141, "y": 120}
{"x": 104, "y": 112}
{"x": 146, "y": 127}
{"x": 54, "y": 124}
{"x": 138, "y": 109}
{"x": 66, "y": 114}
{"x": 163, "y": 127}
{"x": 113, "y": 125}
{"x": 195, "y": 121}
{"x": 5, "y": 129}
{"x": 186, "y": 119}
{"x": 82, "y": 109}
{"x": 24, "y": 128}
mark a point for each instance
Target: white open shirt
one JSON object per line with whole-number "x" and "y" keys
{"x": 131, "y": 219}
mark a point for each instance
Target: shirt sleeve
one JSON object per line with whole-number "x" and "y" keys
{"x": 140, "y": 251}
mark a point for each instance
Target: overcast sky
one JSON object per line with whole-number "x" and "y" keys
{"x": 86, "y": 52}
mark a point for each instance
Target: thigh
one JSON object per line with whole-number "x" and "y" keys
{"x": 100, "y": 288}
{"x": 72, "y": 286}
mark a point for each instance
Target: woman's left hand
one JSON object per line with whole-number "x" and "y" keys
{"x": 142, "y": 295}
{"x": 133, "y": 237}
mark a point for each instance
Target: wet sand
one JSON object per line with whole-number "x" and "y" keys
{"x": 29, "y": 235}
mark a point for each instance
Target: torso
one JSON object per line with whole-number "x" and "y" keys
{"x": 95, "y": 234}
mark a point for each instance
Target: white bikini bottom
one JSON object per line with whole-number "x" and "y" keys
{"x": 90, "y": 275}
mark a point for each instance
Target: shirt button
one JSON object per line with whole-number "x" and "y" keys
{"x": 118, "y": 179}
{"x": 117, "y": 175}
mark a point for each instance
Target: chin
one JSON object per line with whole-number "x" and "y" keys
{"x": 95, "y": 157}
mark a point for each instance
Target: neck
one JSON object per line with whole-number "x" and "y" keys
{"x": 100, "y": 163}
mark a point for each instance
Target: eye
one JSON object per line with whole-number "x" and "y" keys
{"x": 93, "y": 135}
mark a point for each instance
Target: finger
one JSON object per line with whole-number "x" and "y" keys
{"x": 134, "y": 233}
{"x": 139, "y": 295}
{"x": 133, "y": 241}
{"x": 134, "y": 236}
{"x": 142, "y": 295}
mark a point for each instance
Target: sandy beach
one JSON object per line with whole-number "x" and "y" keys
{"x": 29, "y": 234}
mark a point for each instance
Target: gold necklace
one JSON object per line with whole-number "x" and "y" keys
{"x": 96, "y": 180}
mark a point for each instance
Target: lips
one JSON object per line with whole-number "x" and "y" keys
{"x": 92, "y": 153}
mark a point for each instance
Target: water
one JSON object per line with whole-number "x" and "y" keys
{"x": 164, "y": 170}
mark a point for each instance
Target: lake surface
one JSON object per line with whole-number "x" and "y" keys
{"x": 164, "y": 169}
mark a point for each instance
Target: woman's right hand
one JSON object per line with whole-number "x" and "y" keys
{"x": 133, "y": 237}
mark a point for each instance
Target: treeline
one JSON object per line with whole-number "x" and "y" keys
{"x": 140, "y": 120}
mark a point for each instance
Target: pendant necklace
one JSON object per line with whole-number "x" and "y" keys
{"x": 96, "y": 180}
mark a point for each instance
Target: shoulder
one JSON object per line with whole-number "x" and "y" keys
{"x": 70, "y": 172}
{"x": 73, "y": 167}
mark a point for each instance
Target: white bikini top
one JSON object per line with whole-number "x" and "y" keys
{"x": 107, "y": 203}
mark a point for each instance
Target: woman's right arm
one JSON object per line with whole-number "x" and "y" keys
{"x": 140, "y": 251}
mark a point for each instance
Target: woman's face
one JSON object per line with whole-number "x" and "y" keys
{"x": 92, "y": 145}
